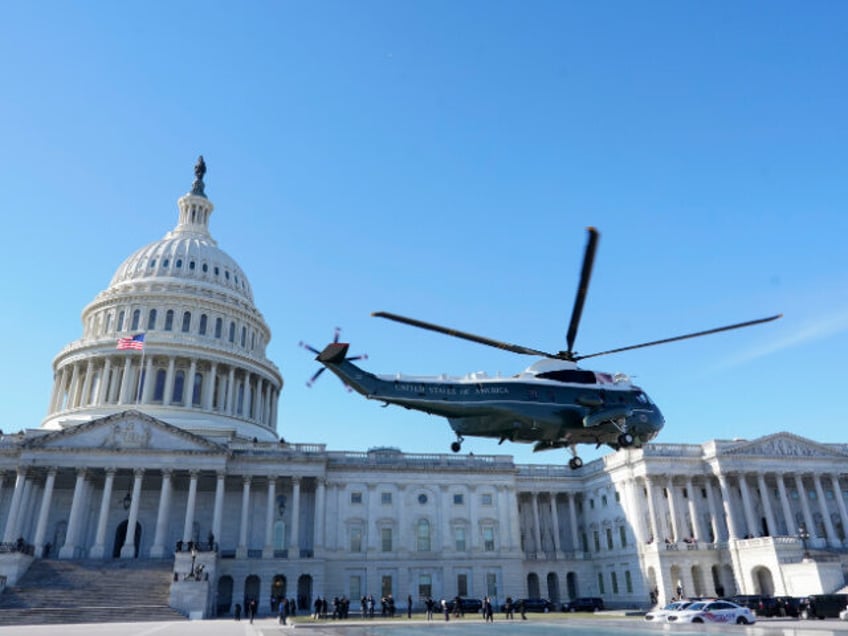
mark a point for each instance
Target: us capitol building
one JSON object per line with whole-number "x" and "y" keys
{"x": 167, "y": 449}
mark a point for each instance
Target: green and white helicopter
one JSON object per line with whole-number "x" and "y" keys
{"x": 551, "y": 404}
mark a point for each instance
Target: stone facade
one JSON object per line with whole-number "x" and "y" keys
{"x": 171, "y": 452}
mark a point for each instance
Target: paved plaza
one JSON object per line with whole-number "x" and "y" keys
{"x": 546, "y": 626}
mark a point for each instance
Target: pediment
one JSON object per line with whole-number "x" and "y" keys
{"x": 125, "y": 431}
{"x": 786, "y": 445}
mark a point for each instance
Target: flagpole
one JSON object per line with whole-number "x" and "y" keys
{"x": 141, "y": 373}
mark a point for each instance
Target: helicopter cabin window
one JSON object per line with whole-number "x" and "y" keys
{"x": 573, "y": 376}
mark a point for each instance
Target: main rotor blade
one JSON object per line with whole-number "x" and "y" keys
{"x": 465, "y": 336}
{"x": 583, "y": 287}
{"x": 684, "y": 337}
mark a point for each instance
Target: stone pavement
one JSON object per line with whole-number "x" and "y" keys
{"x": 398, "y": 627}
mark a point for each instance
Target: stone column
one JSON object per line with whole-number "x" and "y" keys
{"x": 537, "y": 527}
{"x": 248, "y": 396}
{"x": 11, "y": 532}
{"x": 788, "y": 517}
{"x": 86, "y": 384}
{"x": 672, "y": 510}
{"x": 103, "y": 389}
{"x": 732, "y": 527}
{"x": 44, "y": 512}
{"x": 555, "y": 521}
{"x": 714, "y": 517}
{"x": 320, "y": 498}
{"x": 572, "y": 516}
{"x": 832, "y": 539}
{"x": 69, "y": 550}
{"x": 840, "y": 502}
{"x": 697, "y": 534}
{"x": 241, "y": 551}
{"x": 210, "y": 386}
{"x": 98, "y": 550}
{"x": 748, "y": 507}
{"x": 157, "y": 551}
{"x": 268, "y": 549}
{"x": 231, "y": 380}
{"x": 766, "y": 499}
{"x": 191, "y": 504}
{"x": 294, "y": 549}
{"x": 805, "y": 506}
{"x": 123, "y": 396}
{"x": 128, "y": 549}
{"x": 168, "y": 397}
{"x": 149, "y": 382}
{"x": 218, "y": 512}
{"x": 72, "y": 392}
{"x": 652, "y": 511}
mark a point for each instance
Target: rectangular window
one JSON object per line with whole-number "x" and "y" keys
{"x": 614, "y": 582}
{"x": 459, "y": 539}
{"x": 622, "y": 535}
{"x": 356, "y": 497}
{"x": 356, "y": 539}
{"x": 425, "y": 586}
{"x": 596, "y": 539}
{"x": 386, "y": 585}
{"x": 386, "y": 498}
{"x": 462, "y": 585}
{"x": 355, "y": 587}
{"x": 628, "y": 582}
{"x": 486, "y": 499}
{"x": 609, "y": 538}
{"x": 457, "y": 499}
{"x": 601, "y": 583}
{"x": 386, "y": 539}
{"x": 489, "y": 539}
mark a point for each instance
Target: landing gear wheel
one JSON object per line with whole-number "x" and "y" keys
{"x": 625, "y": 440}
{"x": 574, "y": 463}
{"x": 456, "y": 447}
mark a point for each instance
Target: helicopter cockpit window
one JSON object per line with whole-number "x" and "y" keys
{"x": 641, "y": 397}
{"x": 574, "y": 376}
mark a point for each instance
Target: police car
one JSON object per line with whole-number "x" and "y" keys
{"x": 713, "y": 612}
{"x": 659, "y": 615}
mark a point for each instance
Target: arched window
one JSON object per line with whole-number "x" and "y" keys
{"x": 202, "y": 329}
{"x": 159, "y": 387}
{"x": 108, "y": 324}
{"x": 135, "y": 320}
{"x": 179, "y": 385}
{"x": 423, "y": 535}
{"x": 219, "y": 326}
{"x": 186, "y": 321}
{"x": 195, "y": 393}
{"x": 120, "y": 325}
{"x": 169, "y": 320}
{"x": 240, "y": 399}
{"x": 243, "y": 336}
{"x": 151, "y": 320}
{"x": 232, "y": 336}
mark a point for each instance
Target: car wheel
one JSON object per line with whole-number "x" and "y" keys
{"x": 697, "y": 620}
{"x": 741, "y": 621}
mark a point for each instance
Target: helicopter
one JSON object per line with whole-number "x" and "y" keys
{"x": 552, "y": 404}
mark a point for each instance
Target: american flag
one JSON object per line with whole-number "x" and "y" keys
{"x": 136, "y": 342}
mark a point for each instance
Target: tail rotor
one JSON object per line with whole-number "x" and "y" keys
{"x": 336, "y": 334}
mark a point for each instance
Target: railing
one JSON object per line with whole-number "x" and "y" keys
{"x": 17, "y": 546}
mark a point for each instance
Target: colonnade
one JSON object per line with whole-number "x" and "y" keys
{"x": 189, "y": 382}
{"x": 35, "y": 488}
{"x": 695, "y": 509}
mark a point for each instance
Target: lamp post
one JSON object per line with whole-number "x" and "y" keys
{"x": 804, "y": 535}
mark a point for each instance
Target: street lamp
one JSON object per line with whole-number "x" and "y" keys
{"x": 193, "y": 559}
{"x": 127, "y": 500}
{"x": 804, "y": 535}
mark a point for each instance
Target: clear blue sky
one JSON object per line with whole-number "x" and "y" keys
{"x": 441, "y": 160}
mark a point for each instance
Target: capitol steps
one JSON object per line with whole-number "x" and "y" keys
{"x": 59, "y": 591}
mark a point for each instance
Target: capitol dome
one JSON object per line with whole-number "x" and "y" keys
{"x": 198, "y": 357}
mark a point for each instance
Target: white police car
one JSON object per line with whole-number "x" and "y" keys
{"x": 659, "y": 615}
{"x": 713, "y": 612}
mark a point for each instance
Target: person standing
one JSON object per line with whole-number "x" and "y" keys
{"x": 283, "y": 611}
{"x": 409, "y": 606}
